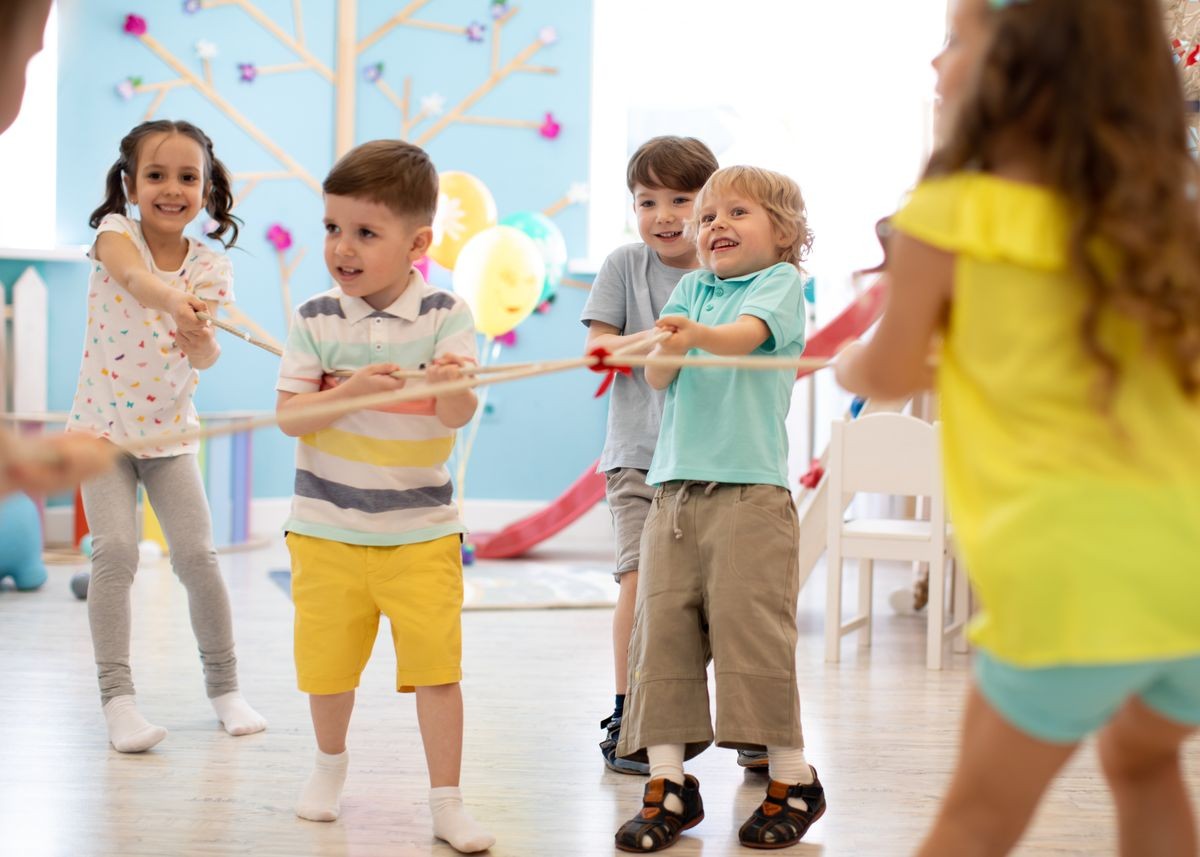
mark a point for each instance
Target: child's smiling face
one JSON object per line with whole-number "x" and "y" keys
{"x": 735, "y": 235}
{"x": 369, "y": 249}
{"x": 661, "y": 214}
{"x": 169, "y": 182}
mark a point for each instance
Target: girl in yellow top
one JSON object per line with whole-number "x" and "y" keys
{"x": 1054, "y": 246}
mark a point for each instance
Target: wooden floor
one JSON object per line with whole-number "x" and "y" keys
{"x": 879, "y": 727}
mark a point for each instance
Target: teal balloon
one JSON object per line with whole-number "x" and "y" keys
{"x": 550, "y": 243}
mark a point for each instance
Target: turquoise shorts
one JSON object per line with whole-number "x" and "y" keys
{"x": 1062, "y": 705}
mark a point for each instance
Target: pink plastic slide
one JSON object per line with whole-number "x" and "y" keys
{"x": 588, "y": 490}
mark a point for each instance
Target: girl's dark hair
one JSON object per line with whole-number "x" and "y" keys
{"x": 219, "y": 196}
{"x": 1112, "y": 139}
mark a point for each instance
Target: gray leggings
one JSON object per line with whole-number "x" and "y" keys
{"x": 175, "y": 490}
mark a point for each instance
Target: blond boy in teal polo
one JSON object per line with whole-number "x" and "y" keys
{"x": 720, "y": 546}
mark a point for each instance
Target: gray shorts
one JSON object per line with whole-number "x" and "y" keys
{"x": 629, "y": 499}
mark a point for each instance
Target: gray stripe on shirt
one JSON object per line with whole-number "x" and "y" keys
{"x": 441, "y": 300}
{"x": 322, "y": 305}
{"x": 372, "y": 500}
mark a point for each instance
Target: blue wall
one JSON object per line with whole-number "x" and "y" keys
{"x": 539, "y": 435}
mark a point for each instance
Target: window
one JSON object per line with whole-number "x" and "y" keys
{"x": 835, "y": 93}
{"x": 27, "y": 164}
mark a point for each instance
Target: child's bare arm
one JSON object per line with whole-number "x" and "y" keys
{"x": 368, "y": 380}
{"x": 125, "y": 265}
{"x": 601, "y": 335}
{"x": 47, "y": 465}
{"x": 201, "y": 346}
{"x": 454, "y": 410}
{"x": 895, "y": 363}
{"x": 734, "y": 339}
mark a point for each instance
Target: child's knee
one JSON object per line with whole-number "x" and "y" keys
{"x": 114, "y": 557}
{"x": 1138, "y": 743}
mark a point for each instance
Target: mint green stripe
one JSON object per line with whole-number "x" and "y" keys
{"x": 355, "y": 537}
{"x": 456, "y": 323}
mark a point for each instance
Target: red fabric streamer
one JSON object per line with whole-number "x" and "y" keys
{"x": 610, "y": 372}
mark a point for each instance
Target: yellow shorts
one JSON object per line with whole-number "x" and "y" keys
{"x": 339, "y": 591}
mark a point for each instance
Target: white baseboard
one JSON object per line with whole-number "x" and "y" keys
{"x": 591, "y": 533}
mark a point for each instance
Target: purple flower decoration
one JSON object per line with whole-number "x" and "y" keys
{"x": 279, "y": 237}
{"x": 128, "y": 87}
{"x": 247, "y": 71}
{"x": 191, "y": 6}
{"x": 499, "y": 8}
{"x": 550, "y": 128}
{"x": 372, "y": 72}
{"x": 135, "y": 25}
{"x": 475, "y": 31}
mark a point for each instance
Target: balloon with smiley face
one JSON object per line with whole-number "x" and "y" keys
{"x": 500, "y": 273}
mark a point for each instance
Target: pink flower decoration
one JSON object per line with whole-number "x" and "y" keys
{"x": 550, "y": 128}
{"x": 509, "y": 339}
{"x": 135, "y": 25}
{"x": 280, "y": 237}
{"x": 543, "y": 307}
{"x": 475, "y": 31}
{"x": 247, "y": 71}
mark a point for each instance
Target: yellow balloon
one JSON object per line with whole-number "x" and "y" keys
{"x": 465, "y": 208}
{"x": 500, "y": 274}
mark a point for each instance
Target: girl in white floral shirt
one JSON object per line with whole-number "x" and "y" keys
{"x": 144, "y": 345}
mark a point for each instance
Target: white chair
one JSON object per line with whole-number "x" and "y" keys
{"x": 892, "y": 454}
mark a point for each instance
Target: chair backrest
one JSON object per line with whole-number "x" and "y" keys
{"x": 885, "y": 453}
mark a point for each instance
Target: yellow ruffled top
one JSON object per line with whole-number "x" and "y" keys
{"x": 1080, "y": 529}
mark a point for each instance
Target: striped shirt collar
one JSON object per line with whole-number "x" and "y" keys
{"x": 406, "y": 307}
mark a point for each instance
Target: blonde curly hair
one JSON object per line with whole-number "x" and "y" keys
{"x": 779, "y": 195}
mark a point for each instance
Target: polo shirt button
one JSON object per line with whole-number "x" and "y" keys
{"x": 709, "y": 307}
{"x": 378, "y": 347}
{"x": 720, "y": 292}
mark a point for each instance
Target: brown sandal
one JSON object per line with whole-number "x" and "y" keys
{"x": 778, "y": 824}
{"x": 657, "y": 823}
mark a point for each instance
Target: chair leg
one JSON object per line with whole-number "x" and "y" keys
{"x": 962, "y": 603}
{"x": 833, "y": 608}
{"x": 935, "y": 631}
{"x": 866, "y": 578}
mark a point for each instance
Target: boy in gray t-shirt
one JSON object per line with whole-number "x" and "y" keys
{"x": 634, "y": 282}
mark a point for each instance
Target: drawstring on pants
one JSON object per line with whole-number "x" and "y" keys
{"x": 681, "y": 498}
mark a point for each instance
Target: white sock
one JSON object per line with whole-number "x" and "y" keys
{"x": 788, "y": 765}
{"x": 666, "y": 760}
{"x": 236, "y": 715}
{"x": 453, "y": 823}
{"x": 128, "y": 731}
{"x": 322, "y": 795}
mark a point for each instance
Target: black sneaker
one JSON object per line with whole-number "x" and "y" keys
{"x": 608, "y": 749}
{"x": 755, "y": 760}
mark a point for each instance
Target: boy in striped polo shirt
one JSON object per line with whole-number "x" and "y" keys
{"x": 373, "y": 526}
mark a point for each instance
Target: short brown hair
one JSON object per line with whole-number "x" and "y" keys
{"x": 677, "y": 163}
{"x": 779, "y": 196}
{"x": 390, "y": 172}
